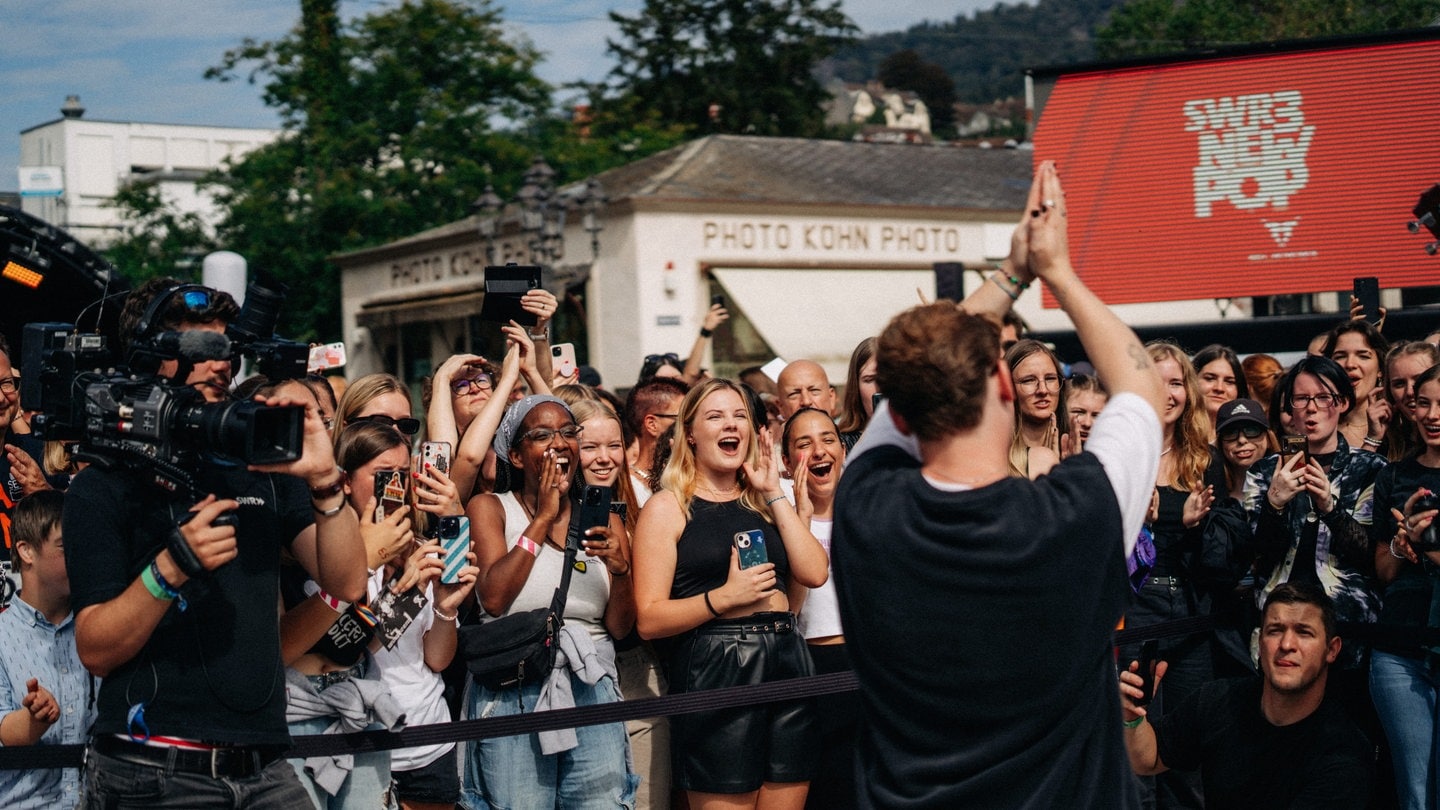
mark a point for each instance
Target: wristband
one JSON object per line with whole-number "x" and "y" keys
{"x": 1134, "y": 723}
{"x": 780, "y": 497}
{"x": 528, "y": 545}
{"x": 542, "y": 336}
{"x": 995, "y": 277}
{"x": 452, "y": 617}
{"x": 1369, "y": 442}
{"x": 711, "y": 606}
{"x": 327, "y": 512}
{"x": 157, "y": 586}
{"x": 337, "y": 605}
{"x": 329, "y": 490}
{"x": 705, "y": 333}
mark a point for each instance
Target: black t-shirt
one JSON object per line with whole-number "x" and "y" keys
{"x": 1323, "y": 761}
{"x": 1405, "y": 601}
{"x": 213, "y": 671}
{"x": 980, "y": 627}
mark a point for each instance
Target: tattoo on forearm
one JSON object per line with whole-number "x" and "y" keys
{"x": 1142, "y": 357}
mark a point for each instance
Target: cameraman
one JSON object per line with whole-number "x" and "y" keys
{"x": 192, "y": 709}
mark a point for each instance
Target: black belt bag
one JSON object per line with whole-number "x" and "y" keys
{"x": 520, "y": 648}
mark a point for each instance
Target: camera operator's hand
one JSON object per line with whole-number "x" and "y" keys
{"x": 212, "y": 545}
{"x": 317, "y": 457}
{"x": 27, "y": 473}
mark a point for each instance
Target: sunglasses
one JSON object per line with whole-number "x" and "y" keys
{"x": 196, "y": 299}
{"x": 657, "y": 359}
{"x": 1250, "y": 432}
{"x": 407, "y": 425}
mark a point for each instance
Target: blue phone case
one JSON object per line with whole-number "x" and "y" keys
{"x": 751, "y": 545}
{"x": 455, "y": 549}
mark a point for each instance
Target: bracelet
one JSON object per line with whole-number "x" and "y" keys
{"x": 711, "y": 606}
{"x": 705, "y": 333}
{"x": 1134, "y": 723}
{"x": 157, "y": 586}
{"x": 542, "y": 336}
{"x": 329, "y": 490}
{"x": 1392, "y": 549}
{"x": 995, "y": 277}
{"x": 452, "y": 617}
{"x": 314, "y": 504}
{"x": 779, "y": 497}
{"x": 529, "y": 545}
{"x": 1369, "y": 442}
{"x": 337, "y": 605}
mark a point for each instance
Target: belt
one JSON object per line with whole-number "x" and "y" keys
{"x": 1173, "y": 582}
{"x": 325, "y": 680}
{"x": 777, "y": 623}
{"x": 234, "y": 762}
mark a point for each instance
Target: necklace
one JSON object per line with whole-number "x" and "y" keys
{"x": 723, "y": 493}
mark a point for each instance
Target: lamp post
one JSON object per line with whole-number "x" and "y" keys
{"x": 541, "y": 215}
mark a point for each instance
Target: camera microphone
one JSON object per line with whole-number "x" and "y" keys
{"x": 196, "y": 345}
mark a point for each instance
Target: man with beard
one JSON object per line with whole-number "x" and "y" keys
{"x": 1272, "y": 742}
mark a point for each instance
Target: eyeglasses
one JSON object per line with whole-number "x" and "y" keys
{"x": 9, "y": 385}
{"x": 407, "y": 425}
{"x": 1050, "y": 381}
{"x": 480, "y": 383}
{"x": 542, "y": 435}
{"x": 666, "y": 415}
{"x": 660, "y": 359}
{"x": 1324, "y": 402}
{"x": 1248, "y": 431}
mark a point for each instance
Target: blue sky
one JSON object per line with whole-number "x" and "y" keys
{"x": 145, "y": 61}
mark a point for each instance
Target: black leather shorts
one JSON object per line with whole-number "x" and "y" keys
{"x": 736, "y": 750}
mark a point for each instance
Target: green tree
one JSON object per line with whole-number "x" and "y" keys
{"x": 389, "y": 129}
{"x": 905, "y": 70}
{"x": 155, "y": 239}
{"x": 1147, "y": 27}
{"x": 743, "y": 66}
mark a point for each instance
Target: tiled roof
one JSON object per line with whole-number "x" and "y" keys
{"x": 733, "y": 168}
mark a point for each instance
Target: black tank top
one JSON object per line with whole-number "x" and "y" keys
{"x": 702, "y": 555}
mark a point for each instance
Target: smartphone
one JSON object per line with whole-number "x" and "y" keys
{"x": 1367, "y": 292}
{"x": 717, "y": 299}
{"x": 875, "y": 400}
{"x": 504, "y": 287}
{"x": 454, "y": 533}
{"x": 564, "y": 359}
{"x": 435, "y": 454}
{"x": 392, "y": 492}
{"x": 751, "y": 546}
{"x": 324, "y": 358}
{"x": 1149, "y": 657}
{"x": 1293, "y": 445}
{"x": 591, "y": 509}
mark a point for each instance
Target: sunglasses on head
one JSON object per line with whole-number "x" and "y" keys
{"x": 196, "y": 299}
{"x": 657, "y": 359}
{"x": 408, "y": 426}
{"x": 1250, "y": 431}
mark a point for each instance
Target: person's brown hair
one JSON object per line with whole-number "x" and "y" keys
{"x": 1261, "y": 372}
{"x": 852, "y": 417}
{"x": 35, "y": 516}
{"x": 361, "y": 442}
{"x": 174, "y": 313}
{"x": 934, "y": 363}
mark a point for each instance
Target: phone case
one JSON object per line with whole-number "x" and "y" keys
{"x": 392, "y": 492}
{"x": 437, "y": 455}
{"x": 751, "y": 545}
{"x": 455, "y": 544}
{"x": 564, "y": 355}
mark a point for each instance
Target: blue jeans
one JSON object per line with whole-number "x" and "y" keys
{"x": 113, "y": 784}
{"x": 368, "y": 785}
{"x": 1405, "y": 692}
{"x": 510, "y": 773}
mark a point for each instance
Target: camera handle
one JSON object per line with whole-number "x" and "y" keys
{"x": 180, "y": 550}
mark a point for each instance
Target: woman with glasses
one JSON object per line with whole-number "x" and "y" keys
{"x": 1039, "y": 408}
{"x": 379, "y": 398}
{"x": 520, "y": 540}
{"x": 1242, "y": 432}
{"x": 1310, "y": 510}
{"x": 728, "y": 624}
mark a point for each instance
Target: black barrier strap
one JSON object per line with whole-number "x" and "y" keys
{"x": 70, "y": 756}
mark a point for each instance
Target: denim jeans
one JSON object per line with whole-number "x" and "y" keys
{"x": 368, "y": 785}
{"x": 510, "y": 773}
{"x": 113, "y": 784}
{"x": 1405, "y": 692}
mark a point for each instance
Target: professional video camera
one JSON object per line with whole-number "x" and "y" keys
{"x": 120, "y": 415}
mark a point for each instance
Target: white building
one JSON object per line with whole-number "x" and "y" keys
{"x": 71, "y": 167}
{"x": 814, "y": 244}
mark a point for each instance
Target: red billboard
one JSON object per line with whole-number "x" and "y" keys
{"x": 1248, "y": 175}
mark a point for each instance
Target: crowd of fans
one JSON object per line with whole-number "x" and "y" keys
{"x": 659, "y": 601}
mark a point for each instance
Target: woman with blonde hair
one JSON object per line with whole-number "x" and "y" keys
{"x": 381, "y": 398}
{"x": 1040, "y": 418}
{"x": 729, "y": 623}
